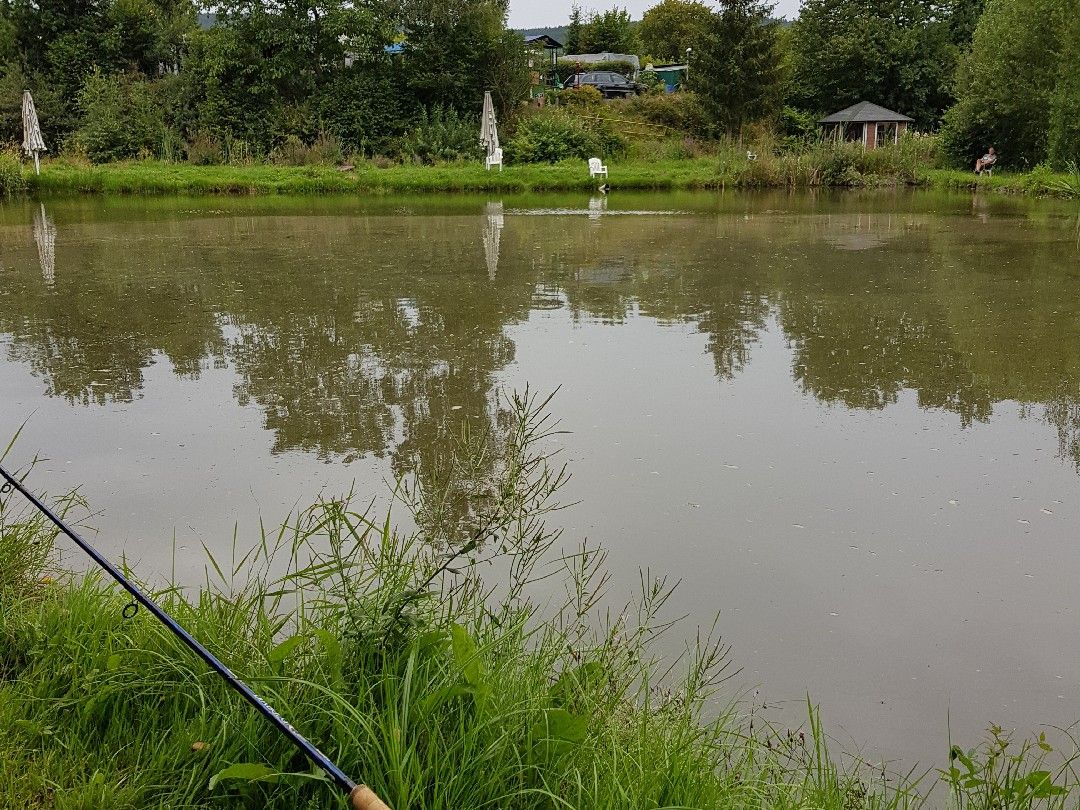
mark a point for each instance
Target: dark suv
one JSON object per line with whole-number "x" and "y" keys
{"x": 610, "y": 85}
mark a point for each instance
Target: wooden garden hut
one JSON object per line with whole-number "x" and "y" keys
{"x": 865, "y": 122}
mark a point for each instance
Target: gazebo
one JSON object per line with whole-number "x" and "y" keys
{"x": 543, "y": 75}
{"x": 865, "y": 122}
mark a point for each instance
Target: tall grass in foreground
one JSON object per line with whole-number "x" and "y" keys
{"x": 418, "y": 661}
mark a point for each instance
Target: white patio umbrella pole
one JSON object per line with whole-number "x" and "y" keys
{"x": 33, "y": 143}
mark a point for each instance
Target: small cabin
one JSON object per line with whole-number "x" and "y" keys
{"x": 874, "y": 126}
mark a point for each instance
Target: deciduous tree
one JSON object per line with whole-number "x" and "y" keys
{"x": 670, "y": 27}
{"x": 1018, "y": 82}
{"x": 736, "y": 72}
{"x": 896, "y": 53}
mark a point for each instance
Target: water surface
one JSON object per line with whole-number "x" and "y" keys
{"x": 849, "y": 423}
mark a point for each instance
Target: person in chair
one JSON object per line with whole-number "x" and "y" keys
{"x": 987, "y": 161}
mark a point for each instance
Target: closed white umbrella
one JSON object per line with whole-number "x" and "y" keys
{"x": 489, "y": 131}
{"x": 33, "y": 143}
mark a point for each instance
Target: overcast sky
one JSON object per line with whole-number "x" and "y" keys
{"x": 538, "y": 13}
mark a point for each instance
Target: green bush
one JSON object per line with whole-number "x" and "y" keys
{"x": 580, "y": 98}
{"x": 121, "y": 119}
{"x": 324, "y": 151}
{"x": 11, "y": 174}
{"x": 204, "y": 150}
{"x": 565, "y": 68}
{"x": 798, "y": 128}
{"x": 680, "y": 111}
{"x": 441, "y": 134}
{"x": 555, "y": 135}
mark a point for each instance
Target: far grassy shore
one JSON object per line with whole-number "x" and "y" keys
{"x": 150, "y": 177}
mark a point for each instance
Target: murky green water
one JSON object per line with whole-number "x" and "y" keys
{"x": 850, "y": 424}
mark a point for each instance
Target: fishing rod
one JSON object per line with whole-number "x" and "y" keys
{"x": 361, "y": 797}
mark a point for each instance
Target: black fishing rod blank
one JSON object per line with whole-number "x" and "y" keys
{"x": 361, "y": 797}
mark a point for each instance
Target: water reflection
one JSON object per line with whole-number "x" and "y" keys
{"x": 45, "y": 238}
{"x": 493, "y": 225}
{"x": 371, "y": 334}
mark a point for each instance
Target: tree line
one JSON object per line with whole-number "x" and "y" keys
{"x": 982, "y": 72}
{"x": 120, "y": 78}
{"x": 123, "y": 78}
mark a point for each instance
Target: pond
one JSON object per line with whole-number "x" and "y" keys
{"x": 848, "y": 423}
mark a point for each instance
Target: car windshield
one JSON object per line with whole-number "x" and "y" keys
{"x": 615, "y": 78}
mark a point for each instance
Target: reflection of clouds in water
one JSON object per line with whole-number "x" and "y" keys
{"x": 45, "y": 237}
{"x": 493, "y": 225}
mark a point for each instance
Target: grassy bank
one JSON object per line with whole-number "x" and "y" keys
{"x": 392, "y": 653}
{"x": 828, "y": 169}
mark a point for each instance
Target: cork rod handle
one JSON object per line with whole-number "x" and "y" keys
{"x": 364, "y": 798}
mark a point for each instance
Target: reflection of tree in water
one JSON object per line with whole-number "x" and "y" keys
{"x": 371, "y": 350}
{"x": 664, "y": 269}
{"x": 1062, "y": 413}
{"x": 381, "y": 335}
{"x": 91, "y": 331}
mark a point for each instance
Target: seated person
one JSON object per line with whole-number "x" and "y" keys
{"x": 987, "y": 161}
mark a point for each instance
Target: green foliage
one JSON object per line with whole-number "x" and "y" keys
{"x": 457, "y": 49}
{"x": 205, "y": 150}
{"x": 797, "y": 127}
{"x": 671, "y": 26}
{"x": 1002, "y": 775}
{"x": 584, "y": 99}
{"x": 574, "y": 30}
{"x": 565, "y": 68}
{"x": 441, "y": 134}
{"x": 554, "y": 135}
{"x": 896, "y": 53}
{"x": 121, "y": 118}
{"x": 1064, "y": 139}
{"x": 681, "y": 112}
{"x": 736, "y": 73}
{"x": 325, "y": 150}
{"x": 11, "y": 174}
{"x": 1007, "y": 86}
{"x": 611, "y": 31}
{"x": 364, "y": 106}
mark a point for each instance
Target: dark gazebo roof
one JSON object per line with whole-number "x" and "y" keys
{"x": 865, "y": 113}
{"x": 543, "y": 39}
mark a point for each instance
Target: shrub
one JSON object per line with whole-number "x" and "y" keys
{"x": 11, "y": 174}
{"x": 555, "y": 135}
{"x": 325, "y": 150}
{"x": 580, "y": 98}
{"x": 120, "y": 118}
{"x": 204, "y": 150}
{"x": 441, "y": 134}
{"x": 685, "y": 148}
{"x": 565, "y": 68}
{"x": 797, "y": 128}
{"x": 290, "y": 152}
{"x": 680, "y": 111}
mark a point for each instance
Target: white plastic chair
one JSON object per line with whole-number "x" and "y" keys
{"x": 494, "y": 159}
{"x": 596, "y": 168}
{"x": 751, "y": 156}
